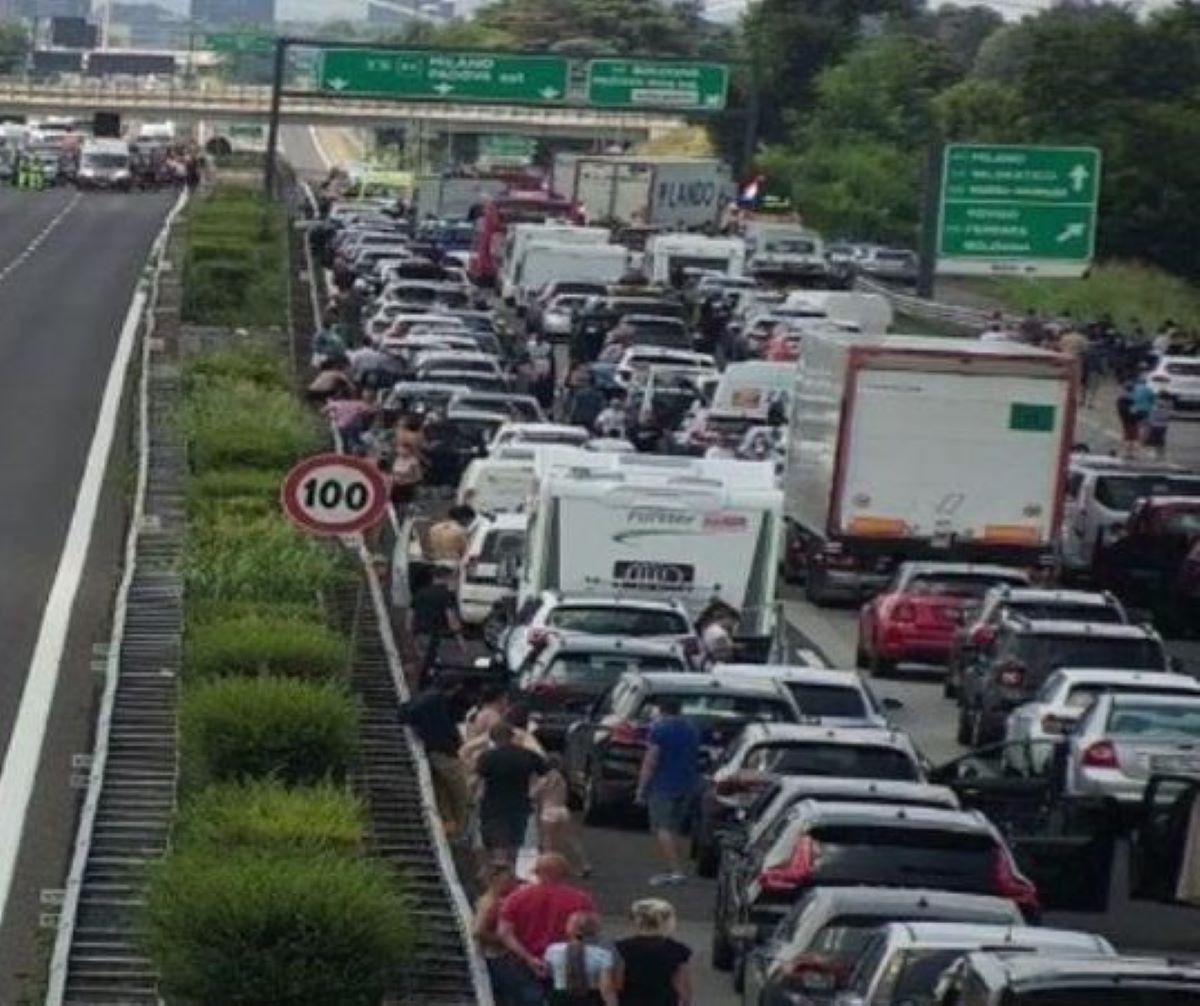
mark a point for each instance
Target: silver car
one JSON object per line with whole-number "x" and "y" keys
{"x": 1124, "y": 739}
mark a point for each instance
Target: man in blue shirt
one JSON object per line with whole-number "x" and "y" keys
{"x": 667, "y": 784}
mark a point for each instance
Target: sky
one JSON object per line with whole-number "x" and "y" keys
{"x": 1010, "y": 9}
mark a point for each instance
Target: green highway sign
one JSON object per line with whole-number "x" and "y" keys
{"x": 1027, "y": 211}
{"x": 239, "y": 43}
{"x": 643, "y": 83}
{"x": 444, "y": 76}
{"x": 508, "y": 146}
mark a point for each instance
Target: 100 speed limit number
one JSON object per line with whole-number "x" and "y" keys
{"x": 333, "y": 494}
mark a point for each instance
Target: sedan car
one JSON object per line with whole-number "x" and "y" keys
{"x": 1179, "y": 377}
{"x": 764, "y": 752}
{"x": 813, "y": 951}
{"x": 563, "y": 681}
{"x": 604, "y": 751}
{"x": 1125, "y": 738}
{"x": 914, "y": 619}
{"x": 826, "y": 696}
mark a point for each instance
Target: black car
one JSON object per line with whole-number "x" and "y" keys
{"x": 1009, "y": 668}
{"x": 563, "y": 680}
{"x": 603, "y": 752}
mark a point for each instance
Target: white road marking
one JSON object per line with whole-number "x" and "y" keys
{"x": 23, "y": 756}
{"x": 315, "y": 136}
{"x": 36, "y": 243}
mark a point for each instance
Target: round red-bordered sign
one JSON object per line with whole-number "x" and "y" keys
{"x": 334, "y": 494}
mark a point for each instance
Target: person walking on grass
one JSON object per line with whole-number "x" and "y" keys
{"x": 667, "y": 784}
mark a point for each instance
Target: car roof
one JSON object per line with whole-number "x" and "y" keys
{"x": 1108, "y": 465}
{"x": 548, "y": 428}
{"x": 891, "y": 815}
{"x": 1049, "y": 970}
{"x": 1147, "y": 699}
{"x": 829, "y": 787}
{"x": 955, "y": 934}
{"x": 798, "y": 674}
{"x": 813, "y": 732}
{"x": 474, "y": 415}
{"x": 586, "y": 643}
{"x": 695, "y": 684}
{"x": 850, "y": 900}
{"x": 504, "y": 520}
{"x": 1103, "y": 675}
{"x": 607, "y": 601}
{"x": 963, "y": 569}
{"x": 1054, "y": 595}
{"x": 1074, "y": 627}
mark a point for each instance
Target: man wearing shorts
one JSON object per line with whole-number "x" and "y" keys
{"x": 667, "y": 784}
{"x": 506, "y": 772}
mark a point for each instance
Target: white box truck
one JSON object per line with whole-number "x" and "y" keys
{"x": 452, "y": 198}
{"x": 520, "y": 236}
{"x": 905, "y": 447}
{"x": 641, "y": 525}
{"x": 545, "y": 262}
{"x": 668, "y": 192}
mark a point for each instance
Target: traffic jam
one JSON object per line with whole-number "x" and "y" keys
{"x": 651, "y": 415}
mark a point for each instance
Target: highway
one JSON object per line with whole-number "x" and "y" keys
{"x": 69, "y": 267}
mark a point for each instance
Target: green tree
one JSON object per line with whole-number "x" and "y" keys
{"x": 1003, "y": 55}
{"x": 962, "y": 30}
{"x": 14, "y": 46}
{"x": 981, "y": 111}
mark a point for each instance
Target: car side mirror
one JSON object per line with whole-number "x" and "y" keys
{"x": 892, "y": 705}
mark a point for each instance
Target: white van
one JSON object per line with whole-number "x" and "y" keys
{"x": 498, "y": 484}
{"x": 518, "y": 237}
{"x": 490, "y": 566}
{"x": 752, "y": 386}
{"x": 105, "y": 164}
{"x": 546, "y": 262}
{"x": 668, "y": 255}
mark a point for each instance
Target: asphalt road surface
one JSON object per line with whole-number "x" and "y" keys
{"x": 69, "y": 267}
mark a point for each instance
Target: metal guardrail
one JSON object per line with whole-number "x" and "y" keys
{"x": 254, "y": 102}
{"x": 130, "y": 800}
{"x": 969, "y": 319}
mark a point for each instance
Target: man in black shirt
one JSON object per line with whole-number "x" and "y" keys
{"x": 506, "y": 770}
{"x": 434, "y": 617}
{"x": 432, "y": 720}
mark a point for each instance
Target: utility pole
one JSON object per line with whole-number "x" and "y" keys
{"x": 271, "y": 166}
{"x": 931, "y": 206}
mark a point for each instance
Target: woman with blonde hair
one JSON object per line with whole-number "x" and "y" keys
{"x": 652, "y": 967}
{"x": 580, "y": 969}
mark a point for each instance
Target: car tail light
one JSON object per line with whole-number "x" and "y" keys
{"x": 546, "y": 688}
{"x": 983, "y": 635}
{"x": 796, "y": 872}
{"x": 1011, "y": 674}
{"x": 1052, "y": 724}
{"x": 1008, "y": 882}
{"x": 816, "y": 973}
{"x": 628, "y": 733}
{"x": 904, "y": 612}
{"x": 1102, "y": 754}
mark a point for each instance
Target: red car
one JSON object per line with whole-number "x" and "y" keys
{"x": 914, "y": 619}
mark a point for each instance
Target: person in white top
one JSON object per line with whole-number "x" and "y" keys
{"x": 580, "y": 970}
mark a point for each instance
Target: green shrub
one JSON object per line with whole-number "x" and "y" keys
{"x": 265, "y": 645}
{"x": 233, "y": 483}
{"x": 264, "y": 559}
{"x": 200, "y": 612}
{"x": 247, "y": 928}
{"x": 238, "y": 424}
{"x": 256, "y": 364}
{"x": 235, "y": 729}
{"x": 266, "y": 815}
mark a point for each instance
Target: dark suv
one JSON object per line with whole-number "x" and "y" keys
{"x": 1008, "y": 670}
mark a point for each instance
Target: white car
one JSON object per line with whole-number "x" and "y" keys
{"x": 550, "y": 613}
{"x": 829, "y": 697}
{"x": 1066, "y": 695}
{"x": 641, "y": 358}
{"x": 495, "y": 547}
{"x": 1179, "y": 377}
{"x": 559, "y": 314}
{"x": 539, "y": 433}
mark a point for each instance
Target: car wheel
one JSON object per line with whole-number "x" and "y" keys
{"x": 595, "y": 811}
{"x": 963, "y": 735}
{"x": 815, "y": 584}
{"x": 722, "y": 953}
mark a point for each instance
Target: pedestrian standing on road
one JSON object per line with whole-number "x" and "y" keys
{"x": 581, "y": 970}
{"x": 499, "y": 880}
{"x": 1157, "y": 421}
{"x": 432, "y": 719}
{"x": 1130, "y": 424}
{"x": 556, "y": 829}
{"x": 717, "y": 624}
{"x": 506, "y": 772}
{"x": 668, "y": 783}
{"x": 492, "y": 709}
{"x": 652, "y": 967}
{"x": 531, "y": 919}
{"x": 1143, "y": 401}
{"x": 408, "y": 462}
{"x": 433, "y": 618}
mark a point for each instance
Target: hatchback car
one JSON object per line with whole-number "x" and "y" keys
{"x": 1179, "y": 377}
{"x": 813, "y": 951}
{"x": 764, "y": 752}
{"x": 562, "y": 682}
{"x": 823, "y": 844}
{"x": 904, "y": 961}
{"x": 915, "y": 618}
{"x": 604, "y": 751}
{"x": 824, "y": 695}
{"x": 1125, "y": 738}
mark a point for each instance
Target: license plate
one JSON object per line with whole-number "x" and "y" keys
{"x": 1182, "y": 764}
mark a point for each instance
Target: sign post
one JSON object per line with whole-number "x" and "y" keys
{"x": 1017, "y": 211}
{"x": 643, "y": 83}
{"x": 444, "y": 76}
{"x": 334, "y": 494}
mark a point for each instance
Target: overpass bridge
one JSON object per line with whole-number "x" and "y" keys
{"x": 250, "y": 103}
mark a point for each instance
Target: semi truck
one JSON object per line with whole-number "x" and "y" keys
{"x": 909, "y": 447}
{"x": 639, "y": 525}
{"x": 672, "y": 193}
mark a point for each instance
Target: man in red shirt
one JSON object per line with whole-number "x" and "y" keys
{"x": 534, "y": 916}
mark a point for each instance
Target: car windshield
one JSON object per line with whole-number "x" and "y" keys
{"x": 791, "y": 247}
{"x": 910, "y": 857}
{"x": 525, "y": 411}
{"x": 955, "y": 585}
{"x": 842, "y": 761}
{"x": 117, "y": 161}
{"x": 1178, "y": 720}
{"x": 499, "y": 545}
{"x": 599, "y": 621}
{"x": 827, "y": 700}
{"x": 538, "y": 436}
{"x": 1051, "y": 652}
{"x": 1082, "y": 696}
{"x": 1184, "y": 368}
{"x": 722, "y": 705}
{"x": 917, "y": 973}
{"x": 603, "y": 669}
{"x": 1042, "y": 610}
{"x": 1105, "y": 994}
{"x": 1120, "y": 492}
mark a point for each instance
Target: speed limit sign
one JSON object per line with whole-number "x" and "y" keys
{"x": 332, "y": 494}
